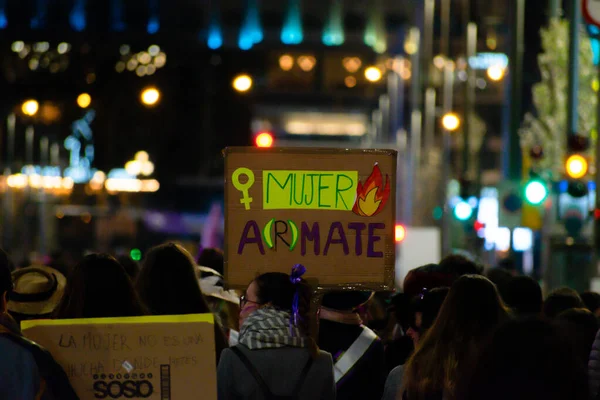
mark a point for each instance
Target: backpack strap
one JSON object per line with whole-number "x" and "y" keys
{"x": 354, "y": 353}
{"x": 257, "y": 377}
{"x": 53, "y": 377}
{"x": 303, "y": 375}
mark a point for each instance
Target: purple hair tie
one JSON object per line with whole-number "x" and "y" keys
{"x": 296, "y": 277}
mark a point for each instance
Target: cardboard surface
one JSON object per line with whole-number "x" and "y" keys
{"x": 156, "y": 358}
{"x": 332, "y": 210}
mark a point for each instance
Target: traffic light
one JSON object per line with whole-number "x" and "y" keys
{"x": 463, "y": 211}
{"x": 536, "y": 192}
{"x": 264, "y": 139}
{"x": 576, "y": 166}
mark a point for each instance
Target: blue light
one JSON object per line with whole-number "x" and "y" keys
{"x": 251, "y": 27}
{"x": 291, "y": 33}
{"x": 215, "y": 38}
{"x": 591, "y": 186}
{"x": 596, "y": 50}
{"x": 215, "y": 34}
{"x": 38, "y": 21}
{"x": 333, "y": 33}
{"x": 563, "y": 186}
{"x": 245, "y": 42}
{"x": 77, "y": 16}
{"x": 3, "y": 19}
{"x": 153, "y": 21}
{"x": 116, "y": 16}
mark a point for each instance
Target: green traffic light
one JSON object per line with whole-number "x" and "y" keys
{"x": 463, "y": 211}
{"x": 135, "y": 254}
{"x": 536, "y": 192}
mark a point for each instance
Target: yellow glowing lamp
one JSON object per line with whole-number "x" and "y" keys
{"x": 576, "y": 166}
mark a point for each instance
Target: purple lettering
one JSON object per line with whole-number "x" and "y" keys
{"x": 373, "y": 238}
{"x": 312, "y": 235}
{"x": 342, "y": 238}
{"x": 249, "y": 240}
{"x": 357, "y": 227}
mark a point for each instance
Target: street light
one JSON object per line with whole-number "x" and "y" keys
{"x": 264, "y": 139}
{"x": 30, "y": 107}
{"x": 450, "y": 122}
{"x": 242, "y": 83}
{"x": 373, "y": 74}
{"x": 84, "y": 100}
{"x": 150, "y": 96}
{"x": 495, "y": 72}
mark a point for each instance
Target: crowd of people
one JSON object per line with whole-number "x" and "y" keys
{"x": 453, "y": 331}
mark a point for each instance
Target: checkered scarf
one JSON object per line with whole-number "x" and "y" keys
{"x": 268, "y": 328}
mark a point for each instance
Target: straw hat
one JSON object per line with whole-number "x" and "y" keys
{"x": 37, "y": 290}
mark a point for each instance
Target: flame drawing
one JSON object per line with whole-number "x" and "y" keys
{"x": 373, "y": 195}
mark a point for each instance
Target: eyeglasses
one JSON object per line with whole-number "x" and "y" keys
{"x": 244, "y": 300}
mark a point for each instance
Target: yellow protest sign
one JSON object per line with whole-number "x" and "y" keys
{"x": 154, "y": 357}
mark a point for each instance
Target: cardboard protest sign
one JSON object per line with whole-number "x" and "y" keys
{"x": 331, "y": 210}
{"x": 156, "y": 358}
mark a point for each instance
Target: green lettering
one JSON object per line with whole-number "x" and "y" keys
{"x": 269, "y": 176}
{"x": 338, "y": 191}
{"x": 321, "y": 188}
{"x": 312, "y": 189}
{"x": 295, "y": 187}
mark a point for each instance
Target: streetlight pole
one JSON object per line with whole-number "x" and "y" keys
{"x": 471, "y": 44}
{"x": 516, "y": 90}
{"x": 572, "y": 115}
{"x": 446, "y": 162}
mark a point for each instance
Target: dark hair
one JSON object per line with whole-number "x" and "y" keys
{"x": 211, "y": 258}
{"x": 431, "y": 304}
{"x": 131, "y": 267}
{"x": 276, "y": 289}
{"x": 523, "y": 295}
{"x": 591, "y": 300}
{"x": 500, "y": 277}
{"x": 99, "y": 287}
{"x": 471, "y": 312}
{"x": 167, "y": 282}
{"x": 526, "y": 359}
{"x": 168, "y": 285}
{"x": 6, "y": 267}
{"x": 581, "y": 326}
{"x": 459, "y": 265}
{"x": 561, "y": 300}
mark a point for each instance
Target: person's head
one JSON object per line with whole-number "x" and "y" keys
{"x": 470, "y": 313}
{"x": 592, "y": 302}
{"x": 426, "y": 277}
{"x": 168, "y": 284}
{"x": 459, "y": 265}
{"x": 581, "y": 326}
{"x": 523, "y": 295}
{"x": 212, "y": 258}
{"x": 131, "y": 267}
{"x": 426, "y": 309}
{"x": 99, "y": 287}
{"x": 500, "y": 277}
{"x": 526, "y": 359}
{"x": 275, "y": 289}
{"x": 561, "y": 300}
{"x": 6, "y": 283}
{"x": 37, "y": 292}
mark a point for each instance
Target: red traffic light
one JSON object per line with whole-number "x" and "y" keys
{"x": 264, "y": 139}
{"x": 478, "y": 226}
{"x": 400, "y": 233}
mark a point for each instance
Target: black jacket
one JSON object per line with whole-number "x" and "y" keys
{"x": 367, "y": 378}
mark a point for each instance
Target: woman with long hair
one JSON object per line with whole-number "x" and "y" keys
{"x": 469, "y": 315}
{"x": 168, "y": 285}
{"x": 275, "y": 355}
{"x": 99, "y": 287}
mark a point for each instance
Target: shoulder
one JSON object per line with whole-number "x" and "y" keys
{"x": 393, "y": 383}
